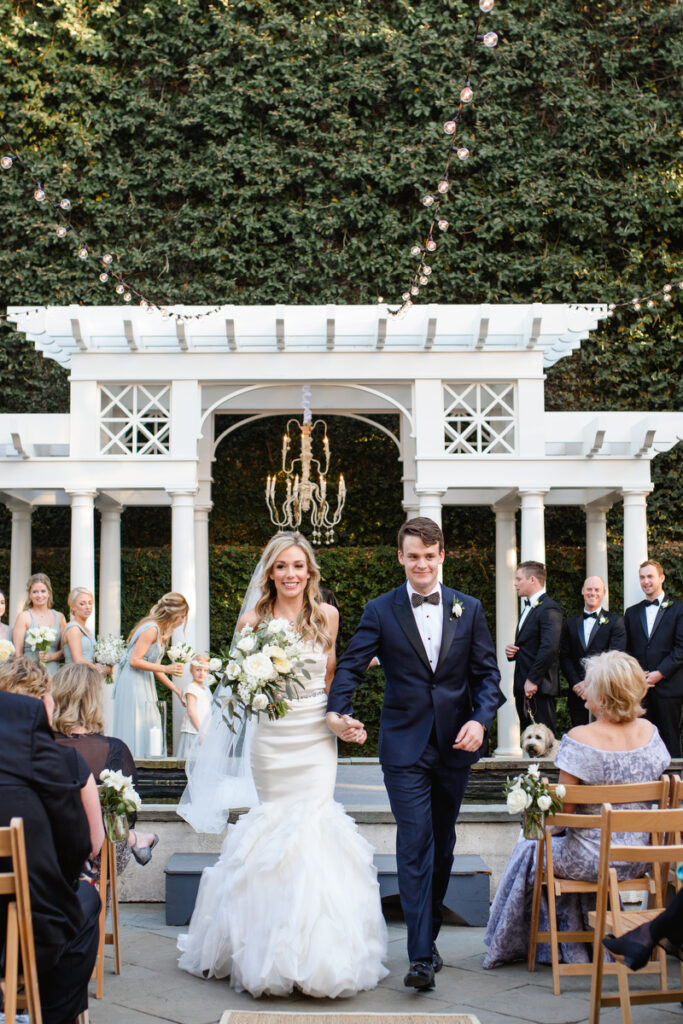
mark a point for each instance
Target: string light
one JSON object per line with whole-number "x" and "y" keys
{"x": 665, "y": 293}
{"x": 462, "y": 152}
{"x": 467, "y": 94}
{"x": 83, "y": 252}
{"x": 39, "y": 194}
{"x": 7, "y": 161}
{"x": 65, "y": 204}
{"x": 442, "y": 224}
{"x": 490, "y": 39}
{"x": 63, "y": 230}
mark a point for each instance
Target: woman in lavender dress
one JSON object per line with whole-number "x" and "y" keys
{"x": 619, "y": 746}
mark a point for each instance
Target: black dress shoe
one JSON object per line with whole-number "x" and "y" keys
{"x": 628, "y": 950}
{"x": 437, "y": 959}
{"x": 420, "y": 975}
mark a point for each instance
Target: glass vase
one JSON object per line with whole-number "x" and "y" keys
{"x": 116, "y": 826}
{"x": 533, "y": 824}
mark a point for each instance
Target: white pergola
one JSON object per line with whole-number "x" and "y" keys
{"x": 466, "y": 384}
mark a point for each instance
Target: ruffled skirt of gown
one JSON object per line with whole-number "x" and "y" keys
{"x": 293, "y": 901}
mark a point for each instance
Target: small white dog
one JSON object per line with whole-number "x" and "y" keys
{"x": 539, "y": 741}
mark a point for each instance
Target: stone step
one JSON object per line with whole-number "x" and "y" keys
{"x": 467, "y": 895}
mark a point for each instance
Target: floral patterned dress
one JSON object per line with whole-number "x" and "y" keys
{"x": 575, "y": 855}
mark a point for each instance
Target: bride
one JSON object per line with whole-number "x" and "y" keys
{"x": 293, "y": 901}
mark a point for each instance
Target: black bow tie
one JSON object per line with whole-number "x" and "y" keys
{"x": 649, "y": 604}
{"x": 418, "y": 599}
{"x": 527, "y": 602}
{"x": 590, "y": 615}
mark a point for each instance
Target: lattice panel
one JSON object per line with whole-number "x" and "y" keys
{"x": 135, "y": 419}
{"x": 479, "y": 419}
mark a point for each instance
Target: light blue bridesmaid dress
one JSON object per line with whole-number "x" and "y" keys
{"x": 135, "y": 698}
{"x": 5, "y": 632}
{"x": 87, "y": 644}
{"x": 51, "y": 666}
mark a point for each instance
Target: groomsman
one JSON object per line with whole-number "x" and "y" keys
{"x": 536, "y": 648}
{"x": 591, "y": 632}
{"x": 654, "y": 635}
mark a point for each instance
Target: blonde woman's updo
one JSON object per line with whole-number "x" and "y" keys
{"x": 164, "y": 613}
{"x": 75, "y": 593}
{"x": 313, "y": 625}
{"x": 77, "y": 692}
{"x": 25, "y": 676}
{"x": 616, "y": 681}
{"x": 38, "y": 577}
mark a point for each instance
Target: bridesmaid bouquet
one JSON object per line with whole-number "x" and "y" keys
{"x": 6, "y": 649}
{"x": 118, "y": 798}
{"x": 532, "y": 796}
{"x": 260, "y": 673}
{"x": 180, "y": 654}
{"x": 109, "y": 650}
{"x": 40, "y": 638}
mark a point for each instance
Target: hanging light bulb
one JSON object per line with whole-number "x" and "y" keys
{"x": 144, "y": 304}
{"x": 490, "y": 40}
{"x": 423, "y": 280}
{"x": 612, "y": 306}
{"x": 63, "y": 230}
{"x": 462, "y": 152}
{"x": 636, "y": 304}
{"x": 83, "y": 252}
{"x": 65, "y": 204}
{"x": 39, "y": 194}
{"x": 486, "y": 5}
{"x": 650, "y": 303}
{"x": 127, "y": 296}
{"x": 449, "y": 127}
{"x": 426, "y": 269}
{"x": 466, "y": 93}
{"x": 415, "y": 250}
{"x": 667, "y": 296}
{"x": 405, "y": 296}
{"x": 107, "y": 259}
{"x": 408, "y": 303}
{"x": 666, "y": 288}
{"x": 430, "y": 245}
{"x": 442, "y": 187}
{"x": 428, "y": 201}
{"x": 104, "y": 277}
{"x": 120, "y": 288}
{"x": 414, "y": 290}
{"x": 7, "y": 162}
{"x": 442, "y": 224}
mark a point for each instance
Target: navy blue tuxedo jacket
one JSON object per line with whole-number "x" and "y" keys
{"x": 539, "y": 647}
{"x": 464, "y": 686}
{"x": 608, "y": 636}
{"x": 662, "y": 651}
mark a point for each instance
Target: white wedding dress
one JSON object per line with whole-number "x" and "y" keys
{"x": 293, "y": 901}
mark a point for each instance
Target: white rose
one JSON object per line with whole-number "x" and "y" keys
{"x": 278, "y": 626}
{"x": 533, "y": 769}
{"x": 544, "y": 803}
{"x": 516, "y": 800}
{"x": 260, "y": 702}
{"x": 273, "y": 651}
{"x": 233, "y": 670}
{"x": 560, "y": 791}
{"x": 246, "y": 644}
{"x": 118, "y": 781}
{"x": 259, "y": 666}
{"x": 215, "y": 664}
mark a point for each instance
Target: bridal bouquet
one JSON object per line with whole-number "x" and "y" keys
{"x": 109, "y": 650}
{"x": 40, "y": 638}
{"x": 180, "y": 654}
{"x": 260, "y": 672}
{"x": 118, "y": 798}
{"x": 6, "y": 649}
{"x": 531, "y": 796}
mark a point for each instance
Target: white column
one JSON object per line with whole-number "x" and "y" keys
{"x": 596, "y": 544}
{"x": 201, "y": 545}
{"x": 110, "y": 571}
{"x": 183, "y": 579}
{"x": 83, "y": 543}
{"x": 635, "y": 542}
{"x": 20, "y": 558}
{"x": 430, "y": 504}
{"x": 506, "y": 624}
{"x": 533, "y": 525}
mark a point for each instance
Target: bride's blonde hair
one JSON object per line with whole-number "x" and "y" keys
{"x": 313, "y": 624}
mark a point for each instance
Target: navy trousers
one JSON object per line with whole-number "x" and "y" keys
{"x": 425, "y": 799}
{"x": 64, "y": 987}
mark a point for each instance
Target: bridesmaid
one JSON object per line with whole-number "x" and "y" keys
{"x": 38, "y": 611}
{"x": 78, "y": 643}
{"x": 135, "y": 695}
{"x": 5, "y": 631}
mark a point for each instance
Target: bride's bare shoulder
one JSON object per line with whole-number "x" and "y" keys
{"x": 249, "y": 618}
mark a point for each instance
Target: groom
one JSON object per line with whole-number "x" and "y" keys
{"x": 442, "y": 692}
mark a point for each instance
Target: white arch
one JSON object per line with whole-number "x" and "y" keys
{"x": 265, "y": 415}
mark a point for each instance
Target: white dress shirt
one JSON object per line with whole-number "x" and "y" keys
{"x": 527, "y": 607}
{"x": 588, "y": 624}
{"x": 651, "y": 612}
{"x": 429, "y": 622}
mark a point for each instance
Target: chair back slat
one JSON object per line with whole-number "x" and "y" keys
{"x": 626, "y": 793}
{"x": 7, "y": 886}
{"x": 656, "y": 820}
{"x": 13, "y": 845}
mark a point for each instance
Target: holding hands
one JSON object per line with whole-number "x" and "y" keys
{"x": 348, "y": 729}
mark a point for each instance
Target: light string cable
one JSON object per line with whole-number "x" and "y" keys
{"x": 439, "y": 222}
{"x": 103, "y": 261}
{"x": 665, "y": 293}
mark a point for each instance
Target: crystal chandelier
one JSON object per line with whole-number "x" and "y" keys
{"x": 305, "y": 497}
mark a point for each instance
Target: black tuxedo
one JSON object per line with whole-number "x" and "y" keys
{"x": 607, "y": 635}
{"x": 42, "y": 784}
{"x": 661, "y": 651}
{"x": 538, "y": 640}
{"x": 422, "y": 713}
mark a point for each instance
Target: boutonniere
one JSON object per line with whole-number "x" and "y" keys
{"x": 457, "y": 609}
{"x": 536, "y": 603}
{"x": 603, "y": 620}
{"x": 666, "y": 604}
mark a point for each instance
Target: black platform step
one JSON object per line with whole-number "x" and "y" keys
{"x": 467, "y": 896}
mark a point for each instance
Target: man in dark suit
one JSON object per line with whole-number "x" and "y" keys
{"x": 536, "y": 649}
{"x": 654, "y": 636}
{"x": 591, "y": 632}
{"x": 442, "y": 692}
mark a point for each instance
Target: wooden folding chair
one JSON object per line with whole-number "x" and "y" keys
{"x": 20, "y": 990}
{"x": 632, "y": 792}
{"x": 609, "y": 916}
{"x": 108, "y": 880}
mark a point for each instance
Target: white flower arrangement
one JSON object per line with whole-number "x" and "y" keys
{"x": 6, "y": 650}
{"x": 530, "y": 795}
{"x": 180, "y": 654}
{"x": 260, "y": 672}
{"x": 40, "y": 638}
{"x": 117, "y": 794}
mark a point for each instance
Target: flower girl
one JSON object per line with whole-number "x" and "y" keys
{"x": 198, "y": 703}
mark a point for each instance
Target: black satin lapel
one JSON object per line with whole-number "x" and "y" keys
{"x": 643, "y": 621}
{"x": 593, "y": 633}
{"x": 658, "y": 618}
{"x": 450, "y": 628}
{"x": 406, "y": 621}
{"x": 580, "y": 633}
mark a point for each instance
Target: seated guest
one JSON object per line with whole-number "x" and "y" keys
{"x": 78, "y": 722}
{"x": 619, "y": 746}
{"x": 634, "y": 948}
{"x": 590, "y": 632}
{"x": 55, "y": 794}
